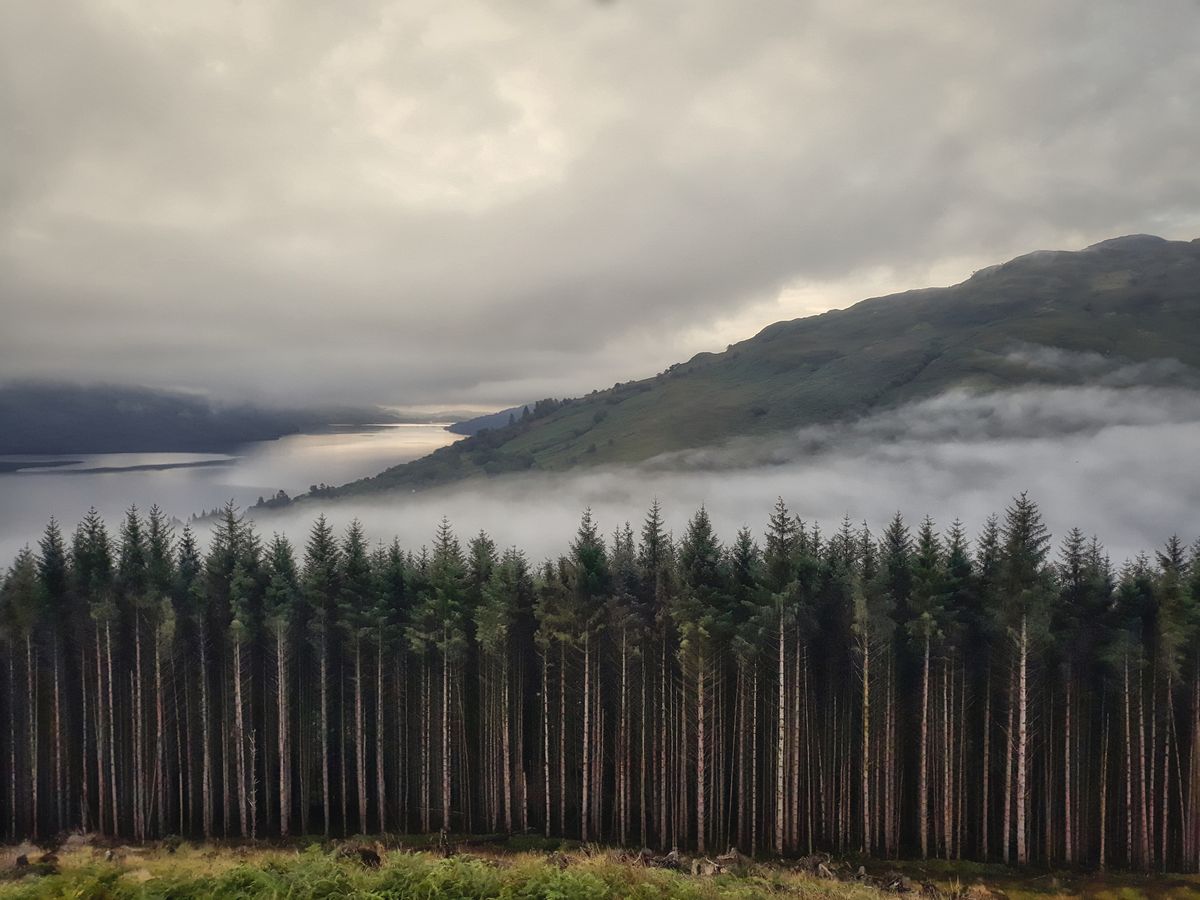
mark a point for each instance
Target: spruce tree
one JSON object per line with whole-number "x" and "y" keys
{"x": 388, "y": 614}
{"x": 21, "y": 615}
{"x": 1027, "y": 591}
{"x": 924, "y": 629}
{"x": 354, "y": 615}
{"x": 589, "y": 580}
{"x": 280, "y": 600}
{"x": 703, "y": 620}
{"x": 505, "y": 598}
{"x": 321, "y": 587}
{"x": 57, "y": 601}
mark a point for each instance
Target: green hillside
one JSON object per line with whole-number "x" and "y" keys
{"x": 1133, "y": 298}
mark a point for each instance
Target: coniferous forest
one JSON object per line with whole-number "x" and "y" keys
{"x": 910, "y": 691}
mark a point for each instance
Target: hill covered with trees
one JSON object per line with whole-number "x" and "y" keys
{"x": 908, "y": 691}
{"x": 51, "y": 418}
{"x": 1131, "y": 300}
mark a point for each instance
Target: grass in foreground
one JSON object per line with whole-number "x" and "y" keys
{"x": 219, "y": 871}
{"x": 224, "y": 872}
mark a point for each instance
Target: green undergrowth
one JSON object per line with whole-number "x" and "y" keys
{"x": 529, "y": 868}
{"x": 315, "y": 873}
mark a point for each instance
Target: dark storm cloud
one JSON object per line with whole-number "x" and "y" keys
{"x": 419, "y": 202}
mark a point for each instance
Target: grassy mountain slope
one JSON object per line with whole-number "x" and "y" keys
{"x": 1134, "y": 298}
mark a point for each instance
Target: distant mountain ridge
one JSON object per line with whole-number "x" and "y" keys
{"x": 54, "y": 418}
{"x": 1133, "y": 299}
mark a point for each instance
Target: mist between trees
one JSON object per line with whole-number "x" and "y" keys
{"x": 911, "y": 692}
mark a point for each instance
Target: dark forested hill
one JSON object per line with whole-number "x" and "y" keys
{"x": 69, "y": 418}
{"x": 1127, "y": 300}
{"x": 490, "y": 421}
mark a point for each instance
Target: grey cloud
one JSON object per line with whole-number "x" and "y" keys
{"x": 1103, "y": 370}
{"x": 419, "y": 202}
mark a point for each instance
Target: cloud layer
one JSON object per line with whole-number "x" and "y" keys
{"x": 426, "y": 202}
{"x": 1119, "y": 462}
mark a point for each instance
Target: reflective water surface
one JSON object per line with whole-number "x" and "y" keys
{"x": 32, "y": 488}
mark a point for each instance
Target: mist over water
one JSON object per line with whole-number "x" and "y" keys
{"x": 186, "y": 483}
{"x": 1118, "y": 462}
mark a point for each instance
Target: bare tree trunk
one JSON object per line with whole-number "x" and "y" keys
{"x": 598, "y": 760}
{"x": 1151, "y": 757}
{"x": 160, "y": 744}
{"x": 1166, "y": 791}
{"x": 253, "y": 786}
{"x": 1006, "y": 838}
{"x": 780, "y": 759}
{"x": 445, "y": 737}
{"x": 343, "y": 756}
{"x": 32, "y": 704}
{"x": 206, "y": 810}
{"x": 139, "y": 775}
{"x": 1192, "y": 833}
{"x": 506, "y": 751}
{"x": 239, "y": 737}
{"x": 664, "y": 840}
{"x": 823, "y": 803}
{"x": 1144, "y": 832}
{"x": 1022, "y": 744}
{"x": 324, "y": 674}
{"x": 947, "y": 758}
{"x": 961, "y": 811}
{"x": 865, "y": 843}
{"x": 360, "y": 746}
{"x": 522, "y": 786}
{"x": 743, "y": 793}
{"x": 701, "y": 782}
{"x": 923, "y": 771}
{"x": 1104, "y": 791}
{"x": 183, "y": 773}
{"x": 799, "y": 702}
{"x": 985, "y": 818}
{"x": 380, "y": 759}
{"x": 546, "y": 735}
{"x": 1068, "y": 825}
{"x": 282, "y": 706}
{"x": 226, "y": 780}
{"x": 301, "y": 746}
{"x": 59, "y": 779}
{"x": 112, "y": 750}
{"x": 644, "y": 833}
{"x": 754, "y": 763}
{"x": 85, "y": 813}
{"x": 405, "y": 758}
{"x": 12, "y": 746}
{"x": 1128, "y": 773}
{"x": 623, "y": 748}
{"x": 562, "y": 737}
{"x": 587, "y": 736}
{"x": 1180, "y": 781}
{"x": 426, "y": 744}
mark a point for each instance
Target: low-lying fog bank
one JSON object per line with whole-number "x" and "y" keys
{"x": 1118, "y": 462}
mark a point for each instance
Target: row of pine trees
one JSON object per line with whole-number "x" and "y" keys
{"x": 913, "y": 693}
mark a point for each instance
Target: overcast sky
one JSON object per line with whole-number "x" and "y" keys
{"x": 431, "y": 202}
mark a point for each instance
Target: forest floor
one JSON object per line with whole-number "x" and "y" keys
{"x": 396, "y": 868}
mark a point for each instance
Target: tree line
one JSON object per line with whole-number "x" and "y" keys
{"x": 914, "y": 692}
